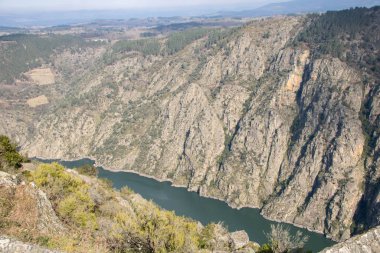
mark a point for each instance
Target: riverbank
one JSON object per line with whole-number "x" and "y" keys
{"x": 112, "y": 170}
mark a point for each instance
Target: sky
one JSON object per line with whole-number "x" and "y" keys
{"x": 64, "y": 5}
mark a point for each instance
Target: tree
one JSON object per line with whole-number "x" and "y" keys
{"x": 282, "y": 241}
{"x": 88, "y": 170}
{"x": 10, "y": 159}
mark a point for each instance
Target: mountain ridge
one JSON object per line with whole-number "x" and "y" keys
{"x": 300, "y": 7}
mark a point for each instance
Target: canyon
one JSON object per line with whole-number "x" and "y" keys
{"x": 261, "y": 115}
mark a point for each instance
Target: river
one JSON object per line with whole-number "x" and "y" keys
{"x": 205, "y": 210}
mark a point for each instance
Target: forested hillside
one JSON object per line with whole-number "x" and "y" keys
{"x": 21, "y": 52}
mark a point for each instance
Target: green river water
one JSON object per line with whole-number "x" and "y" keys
{"x": 205, "y": 210}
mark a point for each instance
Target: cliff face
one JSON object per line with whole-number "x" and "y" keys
{"x": 252, "y": 119}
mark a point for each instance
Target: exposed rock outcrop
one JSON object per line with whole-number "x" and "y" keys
{"x": 239, "y": 239}
{"x": 368, "y": 242}
{"x": 10, "y": 245}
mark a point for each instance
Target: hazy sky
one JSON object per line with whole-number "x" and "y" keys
{"x": 15, "y": 5}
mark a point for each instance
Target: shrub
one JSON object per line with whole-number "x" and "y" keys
{"x": 43, "y": 240}
{"x": 69, "y": 194}
{"x": 55, "y": 181}
{"x": 206, "y": 237}
{"x": 282, "y": 241}
{"x": 10, "y": 159}
{"x": 115, "y": 222}
{"x": 107, "y": 183}
{"x": 126, "y": 191}
{"x": 78, "y": 208}
{"x": 265, "y": 248}
{"x": 88, "y": 170}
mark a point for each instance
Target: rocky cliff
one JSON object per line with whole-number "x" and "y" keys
{"x": 263, "y": 115}
{"x": 366, "y": 243}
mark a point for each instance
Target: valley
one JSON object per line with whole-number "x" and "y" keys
{"x": 279, "y": 114}
{"x": 205, "y": 210}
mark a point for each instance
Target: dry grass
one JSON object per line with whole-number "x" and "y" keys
{"x": 41, "y": 76}
{"x": 19, "y": 214}
{"x": 19, "y": 218}
{"x": 24, "y": 211}
{"x": 37, "y": 101}
{"x": 6, "y": 203}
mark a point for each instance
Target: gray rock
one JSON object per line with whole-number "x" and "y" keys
{"x": 239, "y": 239}
{"x": 368, "y": 242}
{"x": 10, "y": 245}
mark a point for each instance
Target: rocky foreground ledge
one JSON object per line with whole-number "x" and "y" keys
{"x": 100, "y": 219}
{"x": 365, "y": 243}
{"x": 9, "y": 245}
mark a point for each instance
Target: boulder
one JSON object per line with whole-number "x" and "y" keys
{"x": 239, "y": 239}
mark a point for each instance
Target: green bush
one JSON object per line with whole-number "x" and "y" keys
{"x": 55, "y": 181}
{"x": 78, "y": 208}
{"x": 69, "y": 194}
{"x": 10, "y": 159}
{"x": 88, "y": 170}
{"x": 126, "y": 191}
{"x": 265, "y": 248}
{"x": 207, "y": 234}
{"x": 281, "y": 240}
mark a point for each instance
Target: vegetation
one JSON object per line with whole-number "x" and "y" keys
{"x": 177, "y": 27}
{"x": 144, "y": 46}
{"x": 281, "y": 241}
{"x": 175, "y": 42}
{"x": 87, "y": 169}
{"x": 148, "y": 34}
{"x": 97, "y": 218}
{"x": 219, "y": 38}
{"x": 10, "y": 159}
{"x": 21, "y": 52}
{"x": 227, "y": 147}
{"x": 351, "y": 35}
{"x": 206, "y": 236}
{"x": 178, "y": 41}
{"x": 265, "y": 248}
{"x": 196, "y": 74}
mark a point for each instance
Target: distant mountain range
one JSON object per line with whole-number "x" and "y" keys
{"x": 300, "y": 6}
{"x": 54, "y": 18}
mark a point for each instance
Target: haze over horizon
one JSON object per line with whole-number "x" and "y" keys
{"x": 76, "y": 5}
{"x": 24, "y": 13}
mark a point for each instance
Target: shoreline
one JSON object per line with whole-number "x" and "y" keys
{"x": 97, "y": 164}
